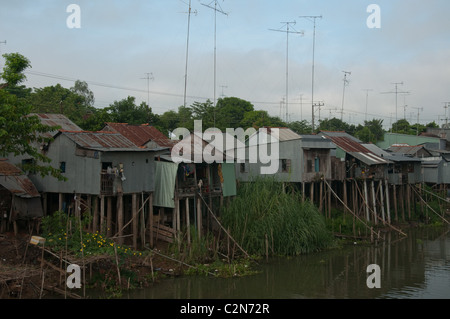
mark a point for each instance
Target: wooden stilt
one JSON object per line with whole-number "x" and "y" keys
{"x": 100, "y": 227}
{"x": 345, "y": 196}
{"x": 383, "y": 213}
{"x": 120, "y": 218}
{"x": 142, "y": 221}
{"x": 366, "y": 203}
{"x": 303, "y": 191}
{"x": 188, "y": 223}
{"x": 109, "y": 229}
{"x": 135, "y": 219}
{"x": 60, "y": 202}
{"x": 408, "y": 200}
{"x": 95, "y": 214}
{"x": 402, "y": 204}
{"x": 374, "y": 198}
{"x": 387, "y": 202}
{"x": 311, "y": 197}
{"x": 395, "y": 202}
{"x": 150, "y": 218}
{"x": 321, "y": 197}
{"x": 199, "y": 217}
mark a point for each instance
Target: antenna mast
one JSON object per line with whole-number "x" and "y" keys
{"x": 215, "y": 45}
{"x": 149, "y": 76}
{"x": 396, "y": 92}
{"x": 313, "y": 63}
{"x": 343, "y": 93}
{"x": 367, "y": 101}
{"x": 187, "y": 52}
{"x": 288, "y": 31}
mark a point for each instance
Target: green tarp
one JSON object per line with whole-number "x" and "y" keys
{"x": 229, "y": 179}
{"x": 165, "y": 176}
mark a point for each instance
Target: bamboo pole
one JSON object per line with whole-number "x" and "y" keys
{"x": 420, "y": 197}
{"x": 366, "y": 201}
{"x": 383, "y": 213}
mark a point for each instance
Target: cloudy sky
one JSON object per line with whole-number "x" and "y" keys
{"x": 119, "y": 42}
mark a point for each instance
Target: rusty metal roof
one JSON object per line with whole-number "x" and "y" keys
{"x": 350, "y": 145}
{"x": 13, "y": 179}
{"x": 57, "y": 120}
{"x": 141, "y": 135}
{"x": 102, "y": 141}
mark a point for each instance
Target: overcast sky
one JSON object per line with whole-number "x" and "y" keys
{"x": 120, "y": 41}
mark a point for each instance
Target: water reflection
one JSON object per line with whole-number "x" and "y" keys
{"x": 413, "y": 267}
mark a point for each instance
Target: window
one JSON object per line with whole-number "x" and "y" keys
{"x": 285, "y": 166}
{"x": 243, "y": 168}
{"x": 317, "y": 165}
{"x": 62, "y": 167}
{"x": 28, "y": 165}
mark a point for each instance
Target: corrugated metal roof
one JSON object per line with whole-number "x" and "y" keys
{"x": 57, "y": 120}
{"x": 140, "y": 135}
{"x": 341, "y": 134}
{"x": 357, "y": 150}
{"x": 390, "y": 156}
{"x": 406, "y": 149}
{"x": 102, "y": 141}
{"x": 15, "y": 181}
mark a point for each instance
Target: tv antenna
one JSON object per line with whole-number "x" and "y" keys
{"x": 216, "y": 8}
{"x": 287, "y": 31}
{"x": 187, "y": 51}
{"x": 313, "y": 18}
{"x": 446, "y": 106}
{"x": 346, "y": 73}
{"x": 419, "y": 109}
{"x": 367, "y": 101}
{"x": 396, "y": 92}
{"x": 223, "y": 87}
{"x": 149, "y": 76}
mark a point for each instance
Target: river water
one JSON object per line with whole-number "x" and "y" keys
{"x": 412, "y": 267}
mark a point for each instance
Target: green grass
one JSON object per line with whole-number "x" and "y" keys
{"x": 264, "y": 215}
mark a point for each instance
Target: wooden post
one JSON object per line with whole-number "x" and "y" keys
{"x": 142, "y": 223}
{"x": 199, "y": 217}
{"x": 366, "y": 204}
{"x": 102, "y": 215}
{"x": 329, "y": 203}
{"x": 312, "y": 192}
{"x": 95, "y": 215}
{"x": 383, "y": 214}
{"x": 150, "y": 218}
{"x": 303, "y": 191}
{"x": 120, "y": 217}
{"x": 135, "y": 218}
{"x": 402, "y": 204}
{"x": 345, "y": 196}
{"x": 108, "y": 216}
{"x": 408, "y": 200}
{"x": 374, "y": 199}
{"x": 60, "y": 202}
{"x": 395, "y": 202}
{"x": 388, "y": 202}
{"x": 320, "y": 196}
{"x": 188, "y": 223}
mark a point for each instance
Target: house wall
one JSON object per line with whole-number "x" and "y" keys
{"x": 82, "y": 172}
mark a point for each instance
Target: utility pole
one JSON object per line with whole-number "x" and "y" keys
{"x": 287, "y": 31}
{"x": 187, "y": 51}
{"x": 149, "y": 76}
{"x": 367, "y": 101}
{"x": 346, "y": 73}
{"x": 318, "y": 105}
{"x": 313, "y": 63}
{"x": 216, "y": 9}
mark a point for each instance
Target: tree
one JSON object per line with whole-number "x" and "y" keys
{"x": 335, "y": 124}
{"x": 21, "y": 133}
{"x": 205, "y": 112}
{"x": 258, "y": 119}
{"x": 81, "y": 88}
{"x": 15, "y": 64}
{"x": 230, "y": 111}
{"x": 126, "y": 111}
{"x": 300, "y": 127}
{"x": 371, "y": 132}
